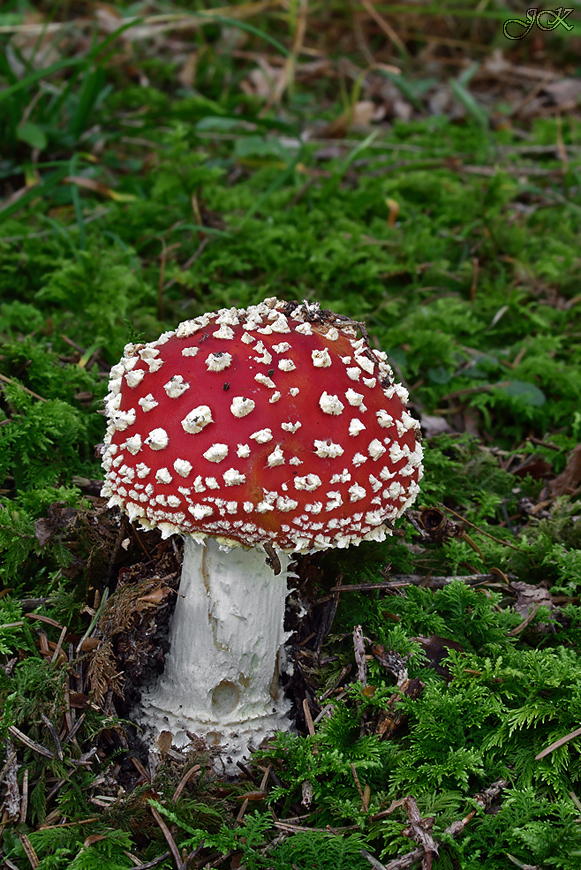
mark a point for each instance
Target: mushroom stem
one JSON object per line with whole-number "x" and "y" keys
{"x": 221, "y": 677}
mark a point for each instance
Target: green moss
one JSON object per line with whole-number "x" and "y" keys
{"x": 196, "y": 198}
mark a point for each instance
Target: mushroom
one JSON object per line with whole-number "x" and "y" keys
{"x": 275, "y": 427}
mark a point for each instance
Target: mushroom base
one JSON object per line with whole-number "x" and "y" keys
{"x": 222, "y": 673}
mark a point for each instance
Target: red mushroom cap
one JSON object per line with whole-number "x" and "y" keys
{"x": 275, "y": 423}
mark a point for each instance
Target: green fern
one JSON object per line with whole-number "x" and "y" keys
{"x": 323, "y": 851}
{"x": 61, "y": 848}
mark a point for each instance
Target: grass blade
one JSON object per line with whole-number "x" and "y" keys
{"x": 474, "y": 109}
{"x": 68, "y": 63}
{"x": 242, "y": 25}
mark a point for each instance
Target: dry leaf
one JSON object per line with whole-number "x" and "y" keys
{"x": 164, "y": 742}
{"x": 109, "y": 18}
{"x": 264, "y": 80}
{"x": 97, "y": 187}
{"x": 437, "y": 649}
{"x": 569, "y": 479}
{"x": 252, "y": 796}
{"x": 359, "y": 115}
{"x": 187, "y": 74}
{"x": 432, "y": 425}
{"x": 93, "y": 838}
{"x": 155, "y": 597}
{"x": 564, "y": 93}
{"x": 529, "y": 597}
{"x": 36, "y": 50}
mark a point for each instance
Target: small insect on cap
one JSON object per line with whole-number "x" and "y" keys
{"x": 272, "y": 424}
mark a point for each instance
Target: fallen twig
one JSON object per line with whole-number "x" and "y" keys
{"x": 359, "y": 647}
{"x": 12, "y": 383}
{"x": 437, "y": 582}
{"x": 558, "y": 743}
{"x": 94, "y": 621}
{"x": 308, "y": 717}
{"x": 419, "y": 829}
{"x": 484, "y": 799}
{"x": 168, "y": 837}
{"x": 482, "y": 532}
{"x": 54, "y": 734}
{"x": 524, "y": 624}
{"x": 150, "y": 864}
{"x": 29, "y": 850}
{"x": 184, "y": 780}
{"x": 30, "y": 743}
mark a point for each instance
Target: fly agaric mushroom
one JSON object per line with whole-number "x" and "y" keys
{"x": 275, "y": 426}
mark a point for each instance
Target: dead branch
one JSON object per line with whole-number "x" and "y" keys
{"x": 359, "y": 647}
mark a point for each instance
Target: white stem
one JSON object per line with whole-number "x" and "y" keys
{"x": 221, "y": 678}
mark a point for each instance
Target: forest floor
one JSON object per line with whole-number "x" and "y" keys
{"x": 412, "y": 167}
